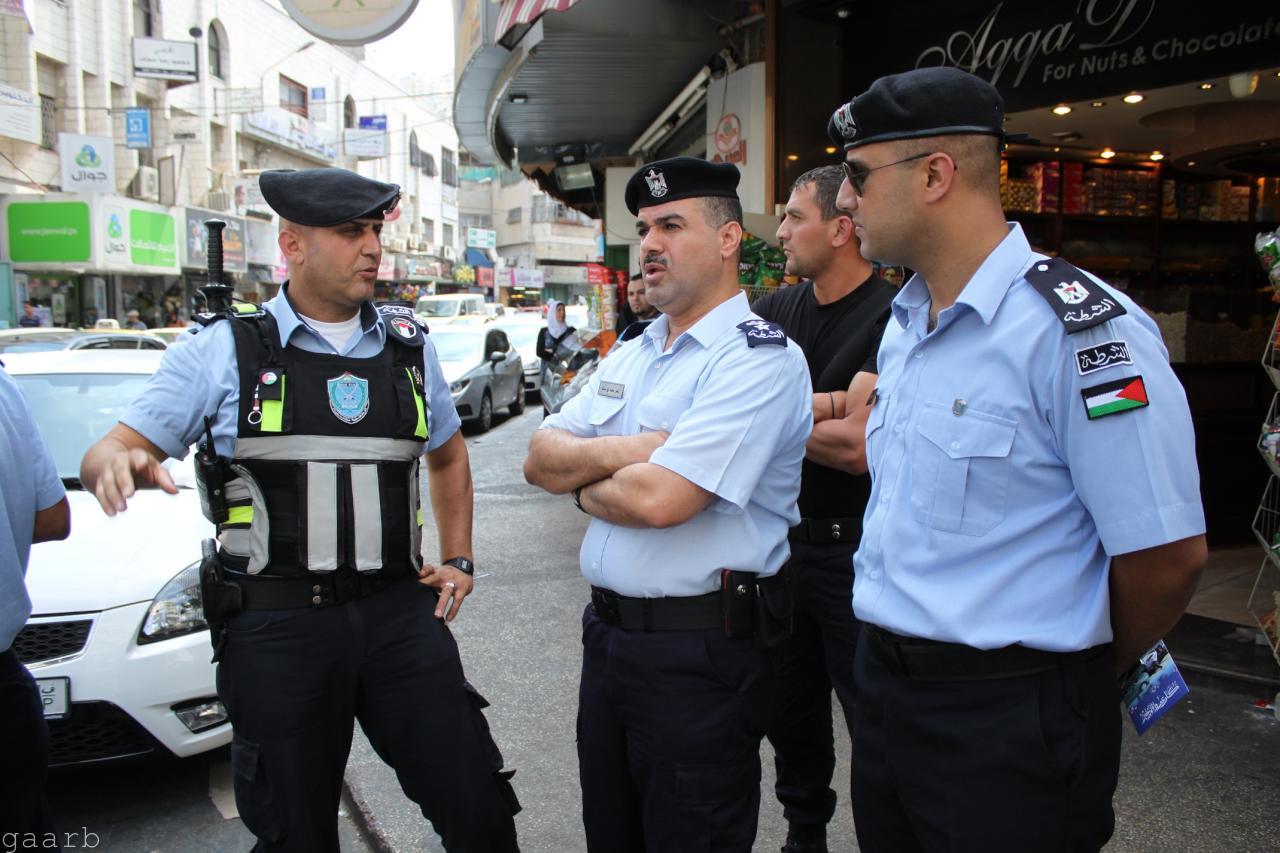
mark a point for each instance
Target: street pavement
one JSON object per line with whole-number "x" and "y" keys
{"x": 1206, "y": 778}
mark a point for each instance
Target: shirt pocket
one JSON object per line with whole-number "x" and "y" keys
{"x": 659, "y": 412}
{"x": 960, "y": 469}
{"x": 875, "y": 426}
{"x": 605, "y": 415}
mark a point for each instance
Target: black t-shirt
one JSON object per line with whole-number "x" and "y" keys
{"x": 838, "y": 339}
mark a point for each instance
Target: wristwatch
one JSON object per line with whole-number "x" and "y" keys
{"x": 462, "y": 564}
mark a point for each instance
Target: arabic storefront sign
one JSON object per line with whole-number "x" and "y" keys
{"x": 482, "y": 238}
{"x": 194, "y": 249}
{"x": 48, "y": 231}
{"x": 417, "y": 269}
{"x": 528, "y": 279}
{"x": 19, "y": 115}
{"x": 293, "y": 131}
{"x": 349, "y": 22}
{"x": 165, "y": 60}
{"x": 137, "y": 127}
{"x": 152, "y": 239}
{"x": 1038, "y": 54}
{"x": 262, "y": 243}
{"x": 135, "y": 237}
{"x": 364, "y": 144}
{"x": 88, "y": 163}
{"x": 553, "y": 274}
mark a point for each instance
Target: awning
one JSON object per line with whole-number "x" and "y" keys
{"x": 516, "y": 13}
{"x": 477, "y": 258}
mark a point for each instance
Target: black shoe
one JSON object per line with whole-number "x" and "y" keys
{"x": 806, "y": 838}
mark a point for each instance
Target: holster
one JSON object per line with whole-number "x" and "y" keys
{"x": 756, "y": 607}
{"x": 211, "y": 478}
{"x": 221, "y": 598}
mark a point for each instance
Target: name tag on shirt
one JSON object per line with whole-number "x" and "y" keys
{"x": 612, "y": 389}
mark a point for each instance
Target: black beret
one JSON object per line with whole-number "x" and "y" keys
{"x": 326, "y": 197}
{"x": 923, "y": 102}
{"x": 677, "y": 178}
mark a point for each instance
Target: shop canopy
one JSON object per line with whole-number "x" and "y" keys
{"x": 477, "y": 258}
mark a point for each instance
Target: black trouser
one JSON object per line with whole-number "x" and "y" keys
{"x": 24, "y": 748}
{"x": 293, "y": 682}
{"x": 818, "y": 658}
{"x": 1007, "y": 764}
{"x": 669, "y": 730}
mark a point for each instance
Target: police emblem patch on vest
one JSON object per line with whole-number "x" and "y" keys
{"x": 349, "y": 397}
{"x": 1078, "y": 306}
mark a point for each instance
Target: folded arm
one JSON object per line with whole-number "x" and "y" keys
{"x": 645, "y": 495}
{"x": 560, "y": 461}
{"x": 841, "y": 443}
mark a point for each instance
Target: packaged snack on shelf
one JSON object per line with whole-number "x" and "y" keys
{"x": 1267, "y": 247}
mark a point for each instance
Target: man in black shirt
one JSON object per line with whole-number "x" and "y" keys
{"x": 836, "y": 316}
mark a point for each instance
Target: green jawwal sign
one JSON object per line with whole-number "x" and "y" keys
{"x": 52, "y": 232}
{"x": 152, "y": 239}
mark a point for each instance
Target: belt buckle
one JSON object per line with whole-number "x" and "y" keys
{"x": 606, "y": 606}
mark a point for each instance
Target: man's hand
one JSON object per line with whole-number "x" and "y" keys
{"x": 120, "y": 464}
{"x": 452, "y": 584}
{"x": 560, "y": 461}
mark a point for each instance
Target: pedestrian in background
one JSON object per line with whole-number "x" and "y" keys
{"x": 556, "y": 333}
{"x": 836, "y": 316}
{"x": 33, "y": 508}
{"x": 685, "y": 448}
{"x": 1034, "y": 522}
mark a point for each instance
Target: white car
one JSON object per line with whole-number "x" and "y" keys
{"x": 117, "y": 640}
{"x": 522, "y": 330}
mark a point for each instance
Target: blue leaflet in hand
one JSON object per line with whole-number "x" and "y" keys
{"x": 1153, "y": 687}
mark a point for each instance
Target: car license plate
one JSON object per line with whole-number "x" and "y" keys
{"x": 55, "y": 695}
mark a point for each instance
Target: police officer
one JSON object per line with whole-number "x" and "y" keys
{"x": 836, "y": 316}
{"x": 314, "y": 413}
{"x": 1034, "y": 522}
{"x": 33, "y": 508}
{"x": 685, "y": 449}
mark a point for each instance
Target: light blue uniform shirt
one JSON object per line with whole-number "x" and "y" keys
{"x": 739, "y": 418}
{"x": 996, "y": 503}
{"x": 198, "y": 377}
{"x": 29, "y": 482}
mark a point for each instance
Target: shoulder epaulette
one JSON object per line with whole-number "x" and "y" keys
{"x": 406, "y": 326}
{"x": 763, "y": 333}
{"x": 1079, "y": 303}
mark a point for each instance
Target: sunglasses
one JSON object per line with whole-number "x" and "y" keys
{"x": 858, "y": 178}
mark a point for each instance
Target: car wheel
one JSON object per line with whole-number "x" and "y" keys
{"x": 485, "y": 419}
{"x": 517, "y": 405}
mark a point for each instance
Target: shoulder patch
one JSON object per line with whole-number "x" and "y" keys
{"x": 403, "y": 324}
{"x": 1101, "y": 356}
{"x": 763, "y": 333}
{"x": 1111, "y": 398}
{"x": 1079, "y": 303}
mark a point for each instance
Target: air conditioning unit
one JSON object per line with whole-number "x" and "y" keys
{"x": 422, "y": 246}
{"x": 146, "y": 184}
{"x": 220, "y": 200}
{"x": 399, "y": 244}
{"x": 448, "y": 253}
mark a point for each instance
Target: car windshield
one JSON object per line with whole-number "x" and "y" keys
{"x": 73, "y": 410}
{"x": 438, "y": 307}
{"x": 36, "y": 343}
{"x": 522, "y": 336}
{"x": 458, "y": 347}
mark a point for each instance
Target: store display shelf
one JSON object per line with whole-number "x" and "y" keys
{"x": 1269, "y": 441}
{"x": 1271, "y": 356}
{"x": 1264, "y": 604}
{"x": 1266, "y": 521}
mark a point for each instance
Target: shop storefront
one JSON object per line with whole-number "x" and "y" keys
{"x": 139, "y": 253}
{"x": 266, "y": 269}
{"x": 49, "y": 241}
{"x": 195, "y": 259}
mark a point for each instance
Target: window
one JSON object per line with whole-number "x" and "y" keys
{"x": 514, "y": 215}
{"x": 428, "y": 230}
{"x": 448, "y": 234}
{"x": 476, "y": 220}
{"x": 142, "y": 18}
{"x": 293, "y": 96}
{"x": 48, "y": 122}
{"x": 415, "y": 156}
{"x": 217, "y": 51}
{"x": 349, "y": 112}
{"x": 448, "y": 168}
{"x": 429, "y": 164}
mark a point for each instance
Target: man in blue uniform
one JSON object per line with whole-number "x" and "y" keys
{"x": 314, "y": 413}
{"x": 1034, "y": 522}
{"x": 686, "y": 450}
{"x": 33, "y": 508}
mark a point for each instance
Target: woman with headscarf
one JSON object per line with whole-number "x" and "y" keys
{"x": 555, "y": 333}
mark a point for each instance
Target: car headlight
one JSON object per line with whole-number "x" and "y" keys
{"x": 459, "y": 386}
{"x": 176, "y": 611}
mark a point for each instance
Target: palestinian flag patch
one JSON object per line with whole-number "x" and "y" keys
{"x": 1114, "y": 397}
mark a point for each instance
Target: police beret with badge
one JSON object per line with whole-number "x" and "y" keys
{"x": 680, "y": 177}
{"x": 920, "y": 103}
{"x": 324, "y": 198}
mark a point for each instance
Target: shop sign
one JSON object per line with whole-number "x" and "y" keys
{"x": 153, "y": 239}
{"x": 364, "y": 144}
{"x": 387, "y": 267}
{"x": 528, "y": 279}
{"x": 195, "y": 250}
{"x": 186, "y": 130}
{"x": 88, "y": 163}
{"x": 49, "y": 231}
{"x": 1037, "y": 54}
{"x": 349, "y": 22}
{"x": 19, "y": 115}
{"x": 165, "y": 60}
{"x": 564, "y": 274}
{"x": 484, "y": 276}
{"x": 597, "y": 274}
{"x": 481, "y": 238}
{"x": 113, "y": 235}
{"x": 137, "y": 127}
{"x": 262, "y": 243}
{"x": 419, "y": 270}
{"x": 316, "y": 105}
{"x": 730, "y": 146}
{"x": 292, "y": 131}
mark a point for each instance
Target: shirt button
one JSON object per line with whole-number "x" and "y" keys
{"x": 657, "y": 365}
{"x": 955, "y": 445}
{"x": 919, "y": 353}
{"x": 874, "y": 574}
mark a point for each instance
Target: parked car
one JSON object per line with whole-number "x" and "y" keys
{"x": 522, "y": 330}
{"x": 43, "y": 340}
{"x": 447, "y": 308}
{"x": 170, "y": 334}
{"x": 483, "y": 370}
{"x": 117, "y": 639}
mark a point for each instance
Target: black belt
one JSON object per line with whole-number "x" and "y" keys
{"x": 264, "y": 592}
{"x": 692, "y": 613}
{"x": 825, "y": 531}
{"x": 917, "y": 659}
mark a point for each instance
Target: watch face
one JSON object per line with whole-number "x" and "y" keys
{"x": 462, "y": 564}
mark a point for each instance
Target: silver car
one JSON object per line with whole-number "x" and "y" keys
{"x": 524, "y": 337}
{"x": 48, "y": 339}
{"x": 483, "y": 370}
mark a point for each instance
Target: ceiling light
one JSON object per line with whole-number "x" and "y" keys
{"x": 1062, "y": 110}
{"x": 577, "y": 176}
{"x": 1107, "y": 154}
{"x": 1056, "y": 149}
{"x": 842, "y": 13}
{"x": 1243, "y": 85}
{"x": 1206, "y": 86}
{"x": 793, "y": 157}
{"x": 1156, "y": 156}
{"x": 1191, "y": 162}
{"x": 1133, "y": 98}
{"x": 1096, "y": 104}
{"x": 1067, "y": 136}
{"x": 830, "y": 149}
{"x": 519, "y": 99}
